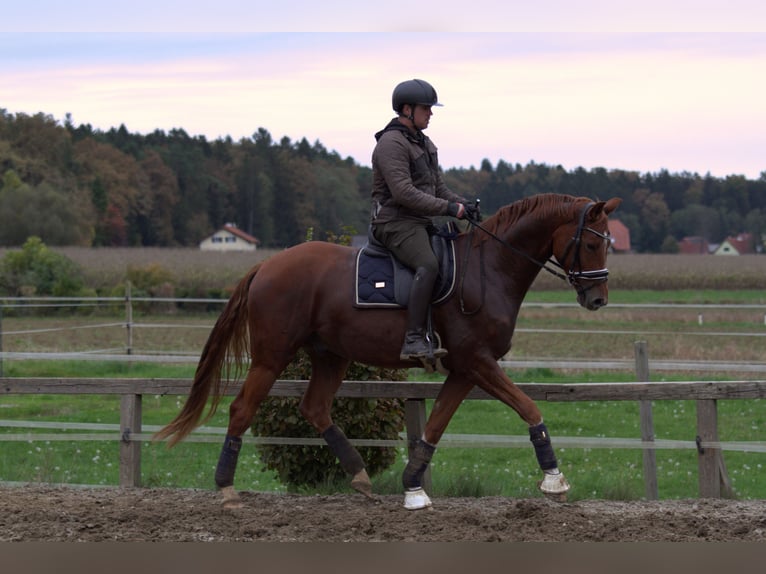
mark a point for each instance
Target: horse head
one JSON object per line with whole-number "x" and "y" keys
{"x": 581, "y": 248}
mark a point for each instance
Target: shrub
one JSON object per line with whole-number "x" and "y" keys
{"x": 311, "y": 466}
{"x": 148, "y": 278}
{"x": 151, "y": 280}
{"x": 36, "y": 270}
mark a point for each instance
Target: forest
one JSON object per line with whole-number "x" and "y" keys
{"x": 75, "y": 185}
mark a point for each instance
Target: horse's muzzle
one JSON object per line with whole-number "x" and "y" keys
{"x": 592, "y": 297}
{"x": 595, "y": 303}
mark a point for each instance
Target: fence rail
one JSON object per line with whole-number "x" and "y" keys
{"x": 712, "y": 471}
{"x": 127, "y": 352}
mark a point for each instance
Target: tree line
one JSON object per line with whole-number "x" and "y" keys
{"x": 75, "y": 185}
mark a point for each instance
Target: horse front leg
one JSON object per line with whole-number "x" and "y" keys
{"x": 492, "y": 378}
{"x": 452, "y": 393}
{"x": 554, "y": 484}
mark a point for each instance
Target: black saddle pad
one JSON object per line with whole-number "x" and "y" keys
{"x": 383, "y": 281}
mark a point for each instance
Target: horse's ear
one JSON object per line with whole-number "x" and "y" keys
{"x": 604, "y": 206}
{"x": 612, "y": 204}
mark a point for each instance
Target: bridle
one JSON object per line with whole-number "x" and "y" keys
{"x": 597, "y": 275}
{"x": 573, "y": 275}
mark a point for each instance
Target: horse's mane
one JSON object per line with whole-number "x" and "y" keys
{"x": 544, "y": 206}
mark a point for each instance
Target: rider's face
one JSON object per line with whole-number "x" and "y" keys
{"x": 421, "y": 114}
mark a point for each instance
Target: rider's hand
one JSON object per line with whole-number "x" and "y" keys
{"x": 472, "y": 212}
{"x": 456, "y": 210}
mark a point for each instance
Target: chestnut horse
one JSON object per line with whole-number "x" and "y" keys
{"x": 303, "y": 298}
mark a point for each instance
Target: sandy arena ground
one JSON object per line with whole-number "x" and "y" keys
{"x": 37, "y": 513}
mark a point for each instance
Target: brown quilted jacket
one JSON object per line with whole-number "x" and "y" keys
{"x": 407, "y": 181}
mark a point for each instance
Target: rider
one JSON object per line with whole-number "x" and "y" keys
{"x": 407, "y": 191}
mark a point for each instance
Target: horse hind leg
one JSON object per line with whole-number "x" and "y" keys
{"x": 350, "y": 459}
{"x": 327, "y": 371}
{"x": 254, "y": 390}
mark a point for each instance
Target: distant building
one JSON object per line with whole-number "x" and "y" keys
{"x": 694, "y": 245}
{"x": 229, "y": 238}
{"x": 736, "y": 245}
{"x": 620, "y": 236}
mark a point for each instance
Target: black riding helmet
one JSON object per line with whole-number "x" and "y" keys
{"x": 414, "y": 92}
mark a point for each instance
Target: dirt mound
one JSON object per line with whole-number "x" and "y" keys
{"x": 47, "y": 513}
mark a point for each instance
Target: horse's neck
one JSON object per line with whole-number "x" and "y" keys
{"x": 528, "y": 236}
{"x": 524, "y": 246}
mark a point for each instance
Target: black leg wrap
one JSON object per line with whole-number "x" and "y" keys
{"x": 543, "y": 449}
{"x": 420, "y": 457}
{"x": 349, "y": 458}
{"x": 227, "y": 462}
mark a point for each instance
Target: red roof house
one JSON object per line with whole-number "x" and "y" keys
{"x": 620, "y": 236}
{"x": 736, "y": 245}
{"x": 229, "y": 238}
{"x": 694, "y": 245}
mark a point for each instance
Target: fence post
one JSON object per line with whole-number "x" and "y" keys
{"x": 130, "y": 450}
{"x": 415, "y": 421}
{"x": 713, "y": 476}
{"x": 129, "y": 317}
{"x": 647, "y": 423}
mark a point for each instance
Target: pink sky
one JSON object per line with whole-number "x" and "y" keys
{"x": 635, "y": 100}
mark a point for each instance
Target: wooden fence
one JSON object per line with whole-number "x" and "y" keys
{"x": 713, "y": 479}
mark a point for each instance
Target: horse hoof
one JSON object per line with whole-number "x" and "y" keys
{"x": 231, "y": 500}
{"x": 560, "y": 498}
{"x": 554, "y": 487}
{"x": 416, "y": 499}
{"x": 361, "y": 483}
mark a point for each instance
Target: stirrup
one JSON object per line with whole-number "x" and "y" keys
{"x": 426, "y": 347}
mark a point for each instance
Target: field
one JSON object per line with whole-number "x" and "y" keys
{"x": 628, "y": 272}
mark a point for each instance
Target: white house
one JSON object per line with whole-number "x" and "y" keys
{"x": 736, "y": 245}
{"x": 229, "y": 238}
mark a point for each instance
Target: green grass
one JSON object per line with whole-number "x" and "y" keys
{"x": 97, "y": 369}
{"x": 594, "y": 473}
{"x": 188, "y": 465}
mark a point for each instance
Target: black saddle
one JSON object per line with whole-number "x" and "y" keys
{"x": 383, "y": 281}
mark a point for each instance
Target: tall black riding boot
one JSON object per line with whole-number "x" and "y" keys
{"x": 415, "y": 344}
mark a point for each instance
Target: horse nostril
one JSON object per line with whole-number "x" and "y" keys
{"x": 598, "y": 302}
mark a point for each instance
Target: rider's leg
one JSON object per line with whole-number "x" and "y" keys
{"x": 415, "y": 344}
{"x": 411, "y": 244}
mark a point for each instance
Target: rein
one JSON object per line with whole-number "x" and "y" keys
{"x": 571, "y": 276}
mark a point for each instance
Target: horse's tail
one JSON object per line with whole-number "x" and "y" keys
{"x": 222, "y": 360}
